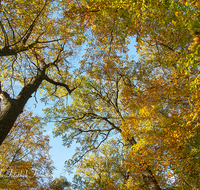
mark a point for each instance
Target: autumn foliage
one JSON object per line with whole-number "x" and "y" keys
{"x": 25, "y": 161}
{"x": 135, "y": 122}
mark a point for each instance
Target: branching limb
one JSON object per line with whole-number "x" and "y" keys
{"x": 95, "y": 130}
{"x": 13, "y": 32}
{"x": 92, "y": 148}
{"x": 59, "y": 84}
{"x": 27, "y": 34}
{"x": 6, "y": 97}
{"x": 107, "y": 120}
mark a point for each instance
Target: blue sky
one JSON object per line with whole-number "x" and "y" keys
{"x": 59, "y": 153}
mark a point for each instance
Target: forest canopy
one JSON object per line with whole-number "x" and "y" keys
{"x": 135, "y": 122}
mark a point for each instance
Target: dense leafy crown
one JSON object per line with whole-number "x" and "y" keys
{"x": 136, "y": 123}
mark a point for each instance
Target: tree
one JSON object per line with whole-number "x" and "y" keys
{"x": 152, "y": 104}
{"x": 25, "y": 160}
{"x": 164, "y": 116}
{"x": 34, "y": 50}
{"x": 152, "y": 115}
{"x": 96, "y": 114}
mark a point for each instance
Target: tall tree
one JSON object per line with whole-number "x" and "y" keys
{"x": 34, "y": 49}
{"x": 152, "y": 114}
{"x": 153, "y": 105}
{"x": 95, "y": 114}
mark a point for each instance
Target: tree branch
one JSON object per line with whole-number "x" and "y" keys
{"x": 5, "y": 35}
{"x": 27, "y": 34}
{"x": 59, "y": 84}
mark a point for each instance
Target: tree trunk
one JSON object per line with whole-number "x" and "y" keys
{"x": 14, "y": 107}
{"x": 150, "y": 180}
{"x": 147, "y": 175}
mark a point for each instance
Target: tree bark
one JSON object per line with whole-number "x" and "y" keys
{"x": 147, "y": 175}
{"x": 150, "y": 180}
{"x": 14, "y": 107}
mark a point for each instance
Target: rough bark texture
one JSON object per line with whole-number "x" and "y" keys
{"x": 14, "y": 107}
{"x": 7, "y": 51}
{"x": 150, "y": 180}
{"x": 148, "y": 177}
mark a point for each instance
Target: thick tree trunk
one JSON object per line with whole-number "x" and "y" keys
{"x": 14, "y": 107}
{"x": 147, "y": 175}
{"x": 150, "y": 180}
